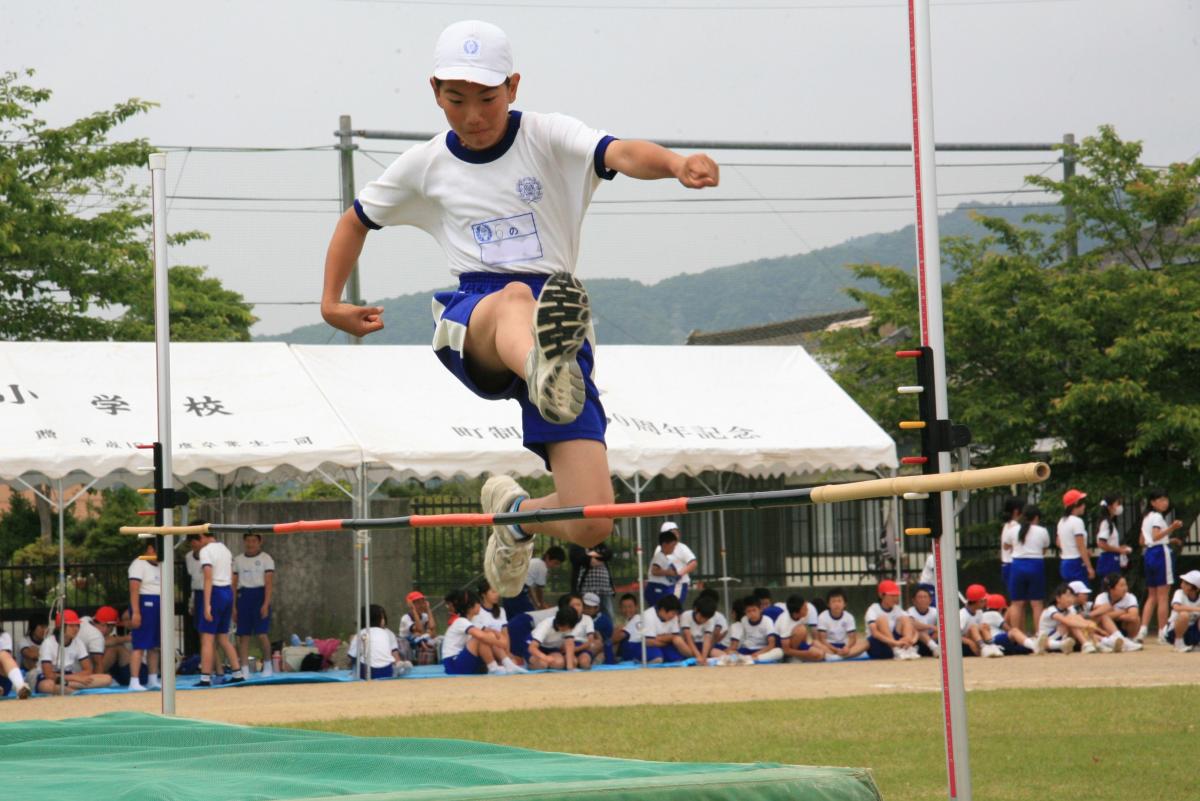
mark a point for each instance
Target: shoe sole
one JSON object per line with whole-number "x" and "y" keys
{"x": 559, "y": 330}
{"x": 493, "y": 490}
{"x": 24, "y": 693}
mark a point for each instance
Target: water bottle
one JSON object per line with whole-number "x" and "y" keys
{"x": 277, "y": 661}
{"x": 251, "y": 666}
{"x": 295, "y": 639}
{"x": 309, "y": 642}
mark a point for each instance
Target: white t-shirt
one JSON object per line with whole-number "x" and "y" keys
{"x": 252, "y": 570}
{"x": 664, "y": 562}
{"x": 1068, "y": 528}
{"x": 1128, "y": 601}
{"x": 1037, "y": 540}
{"x": 456, "y": 637}
{"x": 755, "y": 636}
{"x": 220, "y": 558}
{"x": 785, "y": 625}
{"x": 406, "y": 625}
{"x": 148, "y": 574}
{"x": 380, "y": 645}
{"x": 521, "y": 211}
{"x": 993, "y": 620}
{"x": 928, "y": 572}
{"x": 633, "y": 628}
{"x": 837, "y": 629}
{"x": 76, "y": 653}
{"x": 194, "y": 571}
{"x": 682, "y": 556}
{"x": 6, "y": 642}
{"x": 583, "y": 628}
{"x": 735, "y": 632}
{"x": 653, "y": 626}
{"x": 929, "y": 618}
{"x": 1107, "y": 532}
{"x": 876, "y": 611}
{"x": 548, "y": 637}
{"x": 537, "y": 574}
{"x": 90, "y": 636}
{"x": 487, "y": 620}
{"x": 697, "y": 631}
{"x": 1150, "y": 522}
{"x": 967, "y": 618}
{"x": 1180, "y": 597}
{"x": 1047, "y": 624}
{"x": 1006, "y": 555}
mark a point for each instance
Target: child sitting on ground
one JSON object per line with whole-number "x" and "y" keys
{"x": 890, "y": 632}
{"x": 660, "y": 630}
{"x": 795, "y": 627}
{"x": 602, "y": 630}
{"x": 1182, "y": 629}
{"x": 627, "y": 640}
{"x": 76, "y": 666}
{"x": 1061, "y": 626}
{"x": 493, "y": 618}
{"x": 467, "y": 648}
{"x": 380, "y": 646}
{"x": 699, "y": 626}
{"x": 837, "y": 631}
{"x": 1116, "y": 610}
{"x": 976, "y": 635}
{"x": 924, "y": 619}
{"x": 1014, "y": 642}
{"x": 552, "y": 646}
{"x": 758, "y": 641}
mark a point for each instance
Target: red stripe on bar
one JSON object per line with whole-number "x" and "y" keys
{"x": 147, "y": 513}
{"x": 914, "y": 459}
{"x": 308, "y": 525}
{"x": 471, "y": 519}
{"x": 613, "y": 510}
{"x": 908, "y": 354}
{"x": 146, "y": 447}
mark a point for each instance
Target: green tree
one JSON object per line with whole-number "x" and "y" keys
{"x": 1100, "y": 353}
{"x": 74, "y": 232}
{"x": 102, "y": 540}
{"x": 19, "y": 526}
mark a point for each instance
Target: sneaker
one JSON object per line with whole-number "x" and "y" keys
{"x": 1118, "y": 644}
{"x": 235, "y": 679}
{"x": 1104, "y": 646}
{"x": 506, "y": 560}
{"x": 1182, "y": 648}
{"x": 560, "y": 326}
{"x": 267, "y": 670}
{"x": 1143, "y": 632}
{"x": 496, "y": 670}
{"x": 204, "y": 683}
{"x": 833, "y": 658}
{"x": 1162, "y": 638}
{"x": 1066, "y": 645}
{"x": 990, "y": 651}
{"x": 1088, "y": 647}
{"x": 1129, "y": 645}
{"x": 135, "y": 686}
{"x": 1042, "y": 644}
{"x": 746, "y": 659}
{"x": 24, "y": 692}
{"x": 936, "y": 650}
{"x": 513, "y": 667}
{"x": 153, "y": 685}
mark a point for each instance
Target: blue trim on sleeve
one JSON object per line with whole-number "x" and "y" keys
{"x": 601, "y": 149}
{"x": 363, "y": 218}
{"x": 492, "y": 153}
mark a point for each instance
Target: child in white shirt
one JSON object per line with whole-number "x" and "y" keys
{"x": 925, "y": 623}
{"x": 836, "y": 629}
{"x": 1182, "y": 629}
{"x": 381, "y": 649}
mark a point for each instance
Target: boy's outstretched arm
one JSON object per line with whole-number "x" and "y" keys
{"x": 344, "y": 250}
{"x": 648, "y": 161}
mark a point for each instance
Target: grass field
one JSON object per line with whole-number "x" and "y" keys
{"x": 1108, "y": 743}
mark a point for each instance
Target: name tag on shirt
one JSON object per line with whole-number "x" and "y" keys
{"x": 507, "y": 240}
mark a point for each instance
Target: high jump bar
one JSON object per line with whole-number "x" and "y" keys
{"x": 1029, "y": 473}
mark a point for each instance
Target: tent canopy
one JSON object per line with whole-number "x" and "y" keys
{"x": 70, "y": 409}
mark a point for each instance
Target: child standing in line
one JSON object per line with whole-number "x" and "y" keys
{"x": 254, "y": 588}
{"x": 217, "y": 609}
{"x": 795, "y": 627}
{"x": 1027, "y": 577}
{"x": 1116, "y": 610}
{"x": 376, "y": 648}
{"x": 145, "y": 586}
{"x": 1182, "y": 629}
{"x": 1011, "y": 516}
{"x": 1013, "y": 642}
{"x": 924, "y": 620}
{"x": 1075, "y": 560}
{"x": 758, "y": 641}
{"x": 1158, "y": 561}
{"x": 837, "y": 631}
{"x": 504, "y": 194}
{"x": 552, "y": 646}
{"x": 1114, "y": 557}
{"x": 890, "y": 632}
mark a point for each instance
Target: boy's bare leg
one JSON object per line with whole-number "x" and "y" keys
{"x": 581, "y": 478}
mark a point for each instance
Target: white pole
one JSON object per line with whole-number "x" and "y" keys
{"x": 62, "y": 588}
{"x": 364, "y": 511}
{"x": 162, "y": 349}
{"x": 929, "y": 272}
{"x": 641, "y": 595}
{"x": 724, "y": 563}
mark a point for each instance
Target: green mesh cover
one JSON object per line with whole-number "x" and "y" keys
{"x": 147, "y": 758}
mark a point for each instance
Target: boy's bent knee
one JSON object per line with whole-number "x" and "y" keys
{"x": 517, "y": 292}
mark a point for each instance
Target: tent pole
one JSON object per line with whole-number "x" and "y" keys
{"x": 364, "y": 509}
{"x": 637, "y": 497}
{"x": 62, "y": 588}
{"x": 929, "y": 272}
{"x": 724, "y": 563}
{"x": 897, "y": 530}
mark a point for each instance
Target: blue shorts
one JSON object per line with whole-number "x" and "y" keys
{"x": 5, "y": 686}
{"x": 385, "y": 672}
{"x": 1108, "y": 563}
{"x": 1159, "y": 563}
{"x": 1072, "y": 570}
{"x": 666, "y": 653}
{"x": 878, "y": 649}
{"x": 120, "y": 674}
{"x": 1190, "y": 637}
{"x": 1011, "y": 648}
{"x": 654, "y": 591}
{"x": 198, "y": 607}
{"x": 518, "y": 605}
{"x": 520, "y": 628}
{"x": 632, "y": 651}
{"x": 452, "y": 315}
{"x": 221, "y": 602}
{"x": 249, "y": 607}
{"x": 1005, "y": 573}
{"x": 1027, "y": 580}
{"x": 464, "y": 663}
{"x": 148, "y": 635}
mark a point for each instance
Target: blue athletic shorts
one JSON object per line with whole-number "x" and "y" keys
{"x": 1159, "y": 563}
{"x": 452, "y": 314}
{"x": 148, "y": 635}
{"x": 1190, "y": 637}
{"x": 520, "y": 628}
{"x": 221, "y": 602}
{"x": 198, "y": 607}
{"x": 1005, "y": 573}
{"x": 1027, "y": 580}
{"x": 632, "y": 651}
{"x": 666, "y": 653}
{"x": 464, "y": 663}
{"x": 1108, "y": 563}
{"x": 877, "y": 649}
{"x": 249, "y": 608}
{"x": 385, "y": 672}
{"x": 518, "y": 605}
{"x": 1072, "y": 570}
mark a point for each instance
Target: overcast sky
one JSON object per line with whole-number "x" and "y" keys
{"x": 277, "y": 75}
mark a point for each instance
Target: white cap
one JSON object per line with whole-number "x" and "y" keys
{"x": 668, "y": 526}
{"x": 473, "y": 51}
{"x": 1192, "y": 577}
{"x": 1079, "y": 586}
{"x": 591, "y": 599}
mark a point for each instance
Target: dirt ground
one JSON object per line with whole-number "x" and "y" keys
{"x": 1155, "y": 666}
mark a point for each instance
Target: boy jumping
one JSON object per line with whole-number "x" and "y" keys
{"x": 504, "y": 193}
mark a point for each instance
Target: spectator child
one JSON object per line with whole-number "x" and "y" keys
{"x": 976, "y": 637}
{"x": 382, "y": 651}
{"x": 701, "y": 632}
{"x": 1114, "y": 556}
{"x": 795, "y": 627}
{"x": 1027, "y": 576}
{"x": 1182, "y": 629}
{"x": 671, "y": 566}
{"x": 216, "y": 611}
{"x": 1011, "y": 515}
{"x": 1014, "y": 642}
{"x": 1075, "y": 561}
{"x": 95, "y": 633}
{"x": 1061, "y": 626}
{"x": 765, "y": 602}
{"x": 890, "y": 632}
{"x": 928, "y": 579}
{"x": 418, "y": 629}
{"x": 758, "y": 641}
{"x": 837, "y": 631}
{"x": 31, "y": 643}
{"x": 627, "y": 640}
{"x": 552, "y": 646}
{"x": 660, "y": 630}
{"x": 533, "y": 596}
{"x": 145, "y": 586}
{"x": 11, "y": 676}
{"x": 1116, "y": 610}
{"x": 77, "y": 667}
{"x": 925, "y": 623}
{"x": 254, "y": 587}
{"x": 584, "y": 634}
{"x": 467, "y": 648}
{"x": 1158, "y": 561}
{"x": 602, "y": 629}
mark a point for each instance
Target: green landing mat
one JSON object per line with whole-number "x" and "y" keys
{"x": 126, "y": 756}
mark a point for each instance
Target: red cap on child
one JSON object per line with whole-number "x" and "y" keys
{"x": 415, "y": 595}
{"x": 996, "y": 601}
{"x": 888, "y": 587}
{"x": 68, "y": 617}
{"x": 106, "y": 614}
{"x": 976, "y": 592}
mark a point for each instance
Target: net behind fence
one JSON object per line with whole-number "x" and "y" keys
{"x": 190, "y": 760}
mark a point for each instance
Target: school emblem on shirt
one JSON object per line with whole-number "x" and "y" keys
{"x": 530, "y": 189}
